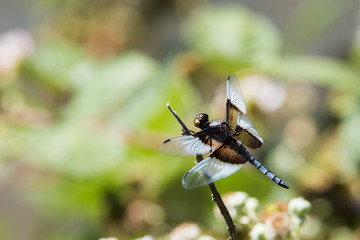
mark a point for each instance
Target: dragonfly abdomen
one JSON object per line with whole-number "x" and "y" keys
{"x": 265, "y": 170}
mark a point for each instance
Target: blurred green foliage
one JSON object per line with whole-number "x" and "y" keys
{"x": 83, "y": 116}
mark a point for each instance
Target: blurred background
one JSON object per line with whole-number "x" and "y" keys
{"x": 83, "y": 93}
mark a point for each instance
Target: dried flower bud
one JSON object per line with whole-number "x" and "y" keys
{"x": 273, "y": 208}
{"x": 279, "y": 223}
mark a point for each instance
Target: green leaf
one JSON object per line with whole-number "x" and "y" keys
{"x": 349, "y": 139}
{"x": 51, "y": 63}
{"x": 112, "y": 85}
{"x": 79, "y": 151}
{"x": 318, "y": 70}
{"x": 231, "y": 36}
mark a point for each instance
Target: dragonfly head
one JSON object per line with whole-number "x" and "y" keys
{"x": 201, "y": 120}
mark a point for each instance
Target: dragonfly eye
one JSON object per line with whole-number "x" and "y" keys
{"x": 201, "y": 120}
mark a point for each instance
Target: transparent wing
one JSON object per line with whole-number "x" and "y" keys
{"x": 235, "y": 103}
{"x": 247, "y": 132}
{"x": 207, "y": 171}
{"x": 187, "y": 146}
{"x": 234, "y": 93}
{"x": 236, "y": 115}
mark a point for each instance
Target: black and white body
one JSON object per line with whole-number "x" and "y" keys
{"x": 223, "y": 141}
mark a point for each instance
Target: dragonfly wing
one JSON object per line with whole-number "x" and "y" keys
{"x": 187, "y": 146}
{"x": 235, "y": 103}
{"x": 224, "y": 161}
{"x": 236, "y": 115}
{"x": 207, "y": 171}
{"x": 247, "y": 132}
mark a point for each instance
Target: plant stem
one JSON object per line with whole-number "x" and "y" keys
{"x": 215, "y": 195}
{"x": 214, "y": 192}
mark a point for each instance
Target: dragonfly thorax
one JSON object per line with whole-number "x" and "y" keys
{"x": 224, "y": 130}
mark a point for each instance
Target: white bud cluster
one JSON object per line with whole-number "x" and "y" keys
{"x": 15, "y": 45}
{"x": 299, "y": 206}
{"x": 282, "y": 220}
{"x": 242, "y": 208}
{"x": 206, "y": 237}
{"x": 259, "y": 232}
{"x": 146, "y": 237}
{"x": 185, "y": 231}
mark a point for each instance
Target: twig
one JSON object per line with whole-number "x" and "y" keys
{"x": 214, "y": 192}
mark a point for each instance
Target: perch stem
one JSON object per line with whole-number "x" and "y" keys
{"x": 214, "y": 192}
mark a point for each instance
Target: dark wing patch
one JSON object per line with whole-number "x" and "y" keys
{"x": 248, "y": 139}
{"x": 235, "y": 115}
{"x": 234, "y": 93}
{"x": 235, "y": 103}
{"x": 247, "y": 133}
{"x": 229, "y": 152}
{"x": 231, "y": 114}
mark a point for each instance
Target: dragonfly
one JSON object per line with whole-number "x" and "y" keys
{"x": 222, "y": 141}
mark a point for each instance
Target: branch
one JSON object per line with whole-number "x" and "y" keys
{"x": 214, "y": 192}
